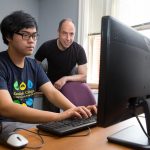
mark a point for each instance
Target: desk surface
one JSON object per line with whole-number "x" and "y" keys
{"x": 95, "y": 141}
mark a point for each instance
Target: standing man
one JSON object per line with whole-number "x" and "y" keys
{"x": 64, "y": 56}
{"x": 21, "y": 76}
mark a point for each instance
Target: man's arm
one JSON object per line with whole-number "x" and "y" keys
{"x": 55, "y": 96}
{"x": 21, "y": 113}
{"x": 58, "y": 99}
{"x": 80, "y": 76}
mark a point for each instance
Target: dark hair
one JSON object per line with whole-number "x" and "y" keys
{"x": 62, "y": 21}
{"x": 14, "y": 23}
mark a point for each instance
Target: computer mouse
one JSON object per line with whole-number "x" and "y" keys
{"x": 17, "y": 140}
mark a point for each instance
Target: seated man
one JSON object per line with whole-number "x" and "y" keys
{"x": 21, "y": 76}
{"x": 64, "y": 56}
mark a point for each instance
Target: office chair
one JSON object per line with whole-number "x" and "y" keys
{"x": 78, "y": 93}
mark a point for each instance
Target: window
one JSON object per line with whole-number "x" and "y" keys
{"x": 136, "y": 16}
{"x": 144, "y": 29}
{"x": 89, "y": 26}
{"x": 93, "y": 57}
{"x": 131, "y": 12}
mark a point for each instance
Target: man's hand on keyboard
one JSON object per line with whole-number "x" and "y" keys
{"x": 80, "y": 112}
{"x": 92, "y": 108}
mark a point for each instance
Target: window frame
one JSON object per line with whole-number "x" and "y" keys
{"x": 108, "y": 7}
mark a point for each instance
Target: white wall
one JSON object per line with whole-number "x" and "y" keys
{"x": 50, "y": 14}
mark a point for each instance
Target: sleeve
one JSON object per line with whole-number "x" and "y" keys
{"x": 3, "y": 82}
{"x": 42, "y": 78}
{"x": 81, "y": 58}
{"x": 41, "y": 53}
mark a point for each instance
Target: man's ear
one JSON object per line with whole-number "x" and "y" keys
{"x": 8, "y": 38}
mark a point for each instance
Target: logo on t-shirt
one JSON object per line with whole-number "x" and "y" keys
{"x": 23, "y": 93}
{"x": 22, "y": 86}
{"x": 16, "y": 85}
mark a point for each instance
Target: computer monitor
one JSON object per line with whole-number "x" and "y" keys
{"x": 124, "y": 83}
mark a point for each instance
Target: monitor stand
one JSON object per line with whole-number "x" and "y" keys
{"x": 132, "y": 136}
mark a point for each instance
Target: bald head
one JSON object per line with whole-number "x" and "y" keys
{"x": 66, "y": 33}
{"x": 68, "y": 20}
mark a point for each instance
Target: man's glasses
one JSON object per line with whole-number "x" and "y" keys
{"x": 27, "y": 36}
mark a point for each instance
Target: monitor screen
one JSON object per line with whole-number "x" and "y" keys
{"x": 124, "y": 83}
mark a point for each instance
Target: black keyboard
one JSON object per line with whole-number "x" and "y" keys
{"x": 68, "y": 126}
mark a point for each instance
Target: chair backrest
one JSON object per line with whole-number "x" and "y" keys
{"x": 78, "y": 93}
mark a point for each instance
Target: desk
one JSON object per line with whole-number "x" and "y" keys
{"x": 97, "y": 140}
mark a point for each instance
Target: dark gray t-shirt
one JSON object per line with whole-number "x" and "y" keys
{"x": 60, "y": 63}
{"x": 21, "y": 83}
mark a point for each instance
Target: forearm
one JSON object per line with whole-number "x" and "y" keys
{"x": 61, "y": 101}
{"x": 26, "y": 114}
{"x": 77, "y": 77}
{"x": 56, "y": 97}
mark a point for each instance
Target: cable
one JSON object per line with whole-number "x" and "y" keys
{"x": 41, "y": 134}
{"x": 80, "y": 135}
{"x": 41, "y": 139}
{"x": 77, "y": 135}
{"x": 142, "y": 126}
